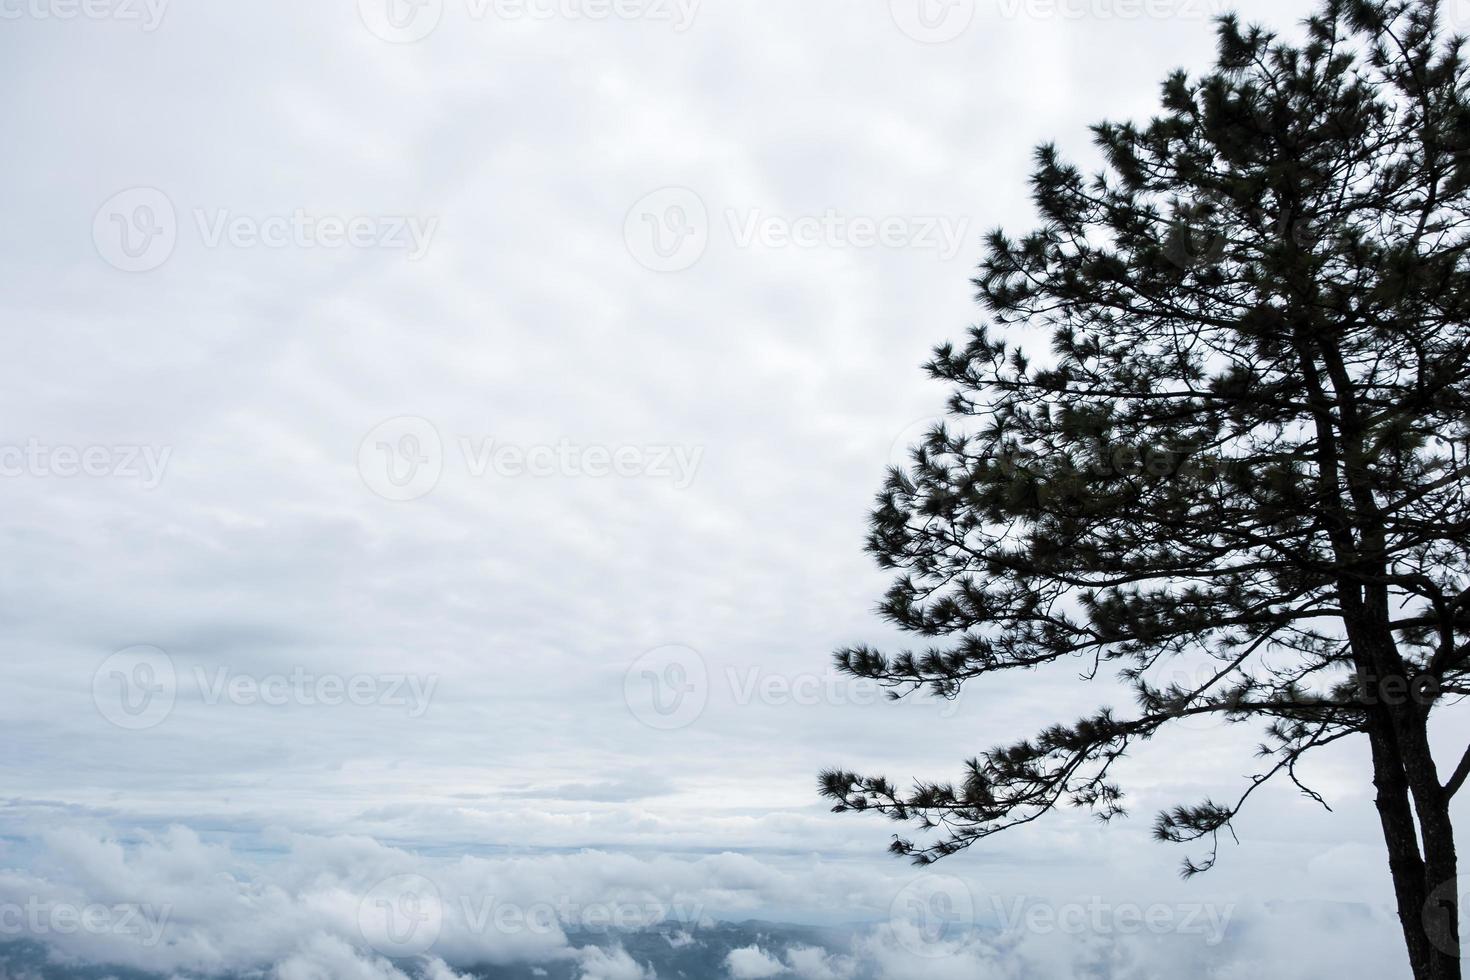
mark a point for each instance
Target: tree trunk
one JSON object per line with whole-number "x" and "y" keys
{"x": 1405, "y": 866}
{"x": 1428, "y": 911}
{"x": 1440, "y": 915}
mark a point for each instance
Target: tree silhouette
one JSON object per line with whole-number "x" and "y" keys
{"x": 1245, "y": 445}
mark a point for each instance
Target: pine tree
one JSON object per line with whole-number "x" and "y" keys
{"x": 1246, "y": 443}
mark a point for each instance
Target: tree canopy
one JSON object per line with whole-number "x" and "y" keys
{"x": 1217, "y": 412}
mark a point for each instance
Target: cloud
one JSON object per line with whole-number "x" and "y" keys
{"x": 437, "y": 969}
{"x": 329, "y": 958}
{"x": 175, "y": 905}
{"x": 600, "y": 964}
{"x": 752, "y": 963}
{"x": 815, "y": 963}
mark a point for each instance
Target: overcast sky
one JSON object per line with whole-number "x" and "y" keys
{"x": 438, "y": 441}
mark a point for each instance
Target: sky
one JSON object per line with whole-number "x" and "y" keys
{"x": 436, "y": 443}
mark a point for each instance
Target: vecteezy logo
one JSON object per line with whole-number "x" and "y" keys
{"x": 401, "y": 21}
{"x": 136, "y": 230}
{"x": 932, "y": 915}
{"x": 901, "y": 451}
{"x": 1212, "y": 679}
{"x": 667, "y": 688}
{"x": 933, "y": 21}
{"x": 136, "y": 688}
{"x": 668, "y": 230}
{"x": 402, "y": 459}
{"x": 402, "y": 916}
{"x": 1443, "y": 927}
{"x": 1458, "y": 14}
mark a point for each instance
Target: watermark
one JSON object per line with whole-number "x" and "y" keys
{"x": 1445, "y": 917}
{"x": 1044, "y": 474}
{"x": 1209, "y": 229}
{"x": 408, "y": 21}
{"x": 1186, "y": 687}
{"x": 667, "y": 688}
{"x": 756, "y": 686}
{"x": 933, "y": 21}
{"x": 487, "y": 914}
{"x": 1457, "y": 15}
{"x": 138, "y": 229}
{"x": 147, "y": 14}
{"x": 402, "y": 916}
{"x": 675, "y": 464}
{"x": 901, "y": 452}
{"x": 401, "y": 21}
{"x": 1099, "y": 917}
{"x": 670, "y": 229}
{"x": 1091, "y": 10}
{"x": 407, "y": 915}
{"x": 301, "y": 229}
{"x": 411, "y": 692}
{"x": 404, "y": 459}
{"x": 941, "y": 21}
{"x": 136, "y": 688}
{"x": 139, "y": 688}
{"x": 37, "y": 918}
{"x": 833, "y": 229}
{"x": 932, "y": 916}
{"x": 1397, "y": 690}
{"x": 144, "y": 464}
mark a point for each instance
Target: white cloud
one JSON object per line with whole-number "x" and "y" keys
{"x": 752, "y": 963}
{"x": 437, "y": 969}
{"x": 296, "y": 915}
{"x": 600, "y": 964}
{"x": 329, "y": 958}
{"x": 815, "y": 963}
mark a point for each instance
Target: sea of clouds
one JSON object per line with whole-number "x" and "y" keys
{"x": 172, "y": 904}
